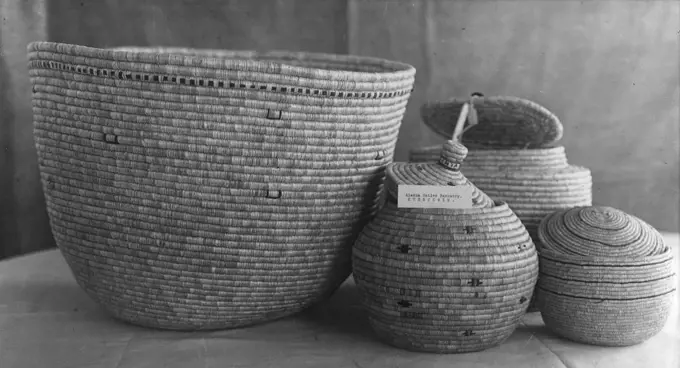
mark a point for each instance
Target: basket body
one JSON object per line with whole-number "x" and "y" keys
{"x": 445, "y": 281}
{"x": 534, "y": 182}
{"x": 201, "y": 189}
{"x": 606, "y": 277}
{"x": 605, "y": 302}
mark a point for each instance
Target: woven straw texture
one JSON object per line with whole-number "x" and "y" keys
{"x": 206, "y": 189}
{"x": 444, "y": 280}
{"x": 502, "y": 121}
{"x": 606, "y": 277}
{"x": 534, "y": 182}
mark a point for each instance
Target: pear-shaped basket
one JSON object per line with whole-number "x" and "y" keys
{"x": 607, "y": 278}
{"x": 206, "y": 189}
{"x": 440, "y": 279}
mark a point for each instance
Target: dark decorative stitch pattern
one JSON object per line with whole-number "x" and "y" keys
{"x": 111, "y": 73}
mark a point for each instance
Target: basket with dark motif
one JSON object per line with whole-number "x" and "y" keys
{"x": 606, "y": 277}
{"x": 440, "y": 279}
{"x": 205, "y": 189}
{"x": 512, "y": 156}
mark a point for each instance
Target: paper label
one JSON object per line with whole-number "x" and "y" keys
{"x": 434, "y": 196}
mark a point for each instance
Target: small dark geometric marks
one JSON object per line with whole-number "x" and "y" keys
{"x": 404, "y": 303}
{"x": 469, "y": 229}
{"x": 274, "y": 115}
{"x": 475, "y": 282}
{"x": 111, "y": 138}
{"x": 522, "y": 300}
{"x": 380, "y": 155}
{"x": 476, "y": 294}
{"x": 274, "y": 194}
{"x": 404, "y": 248}
{"x": 468, "y": 333}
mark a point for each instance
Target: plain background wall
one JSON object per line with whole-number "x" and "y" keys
{"x": 608, "y": 69}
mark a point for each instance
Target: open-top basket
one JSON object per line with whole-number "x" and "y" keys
{"x": 206, "y": 189}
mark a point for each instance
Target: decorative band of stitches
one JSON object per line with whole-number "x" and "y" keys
{"x": 216, "y": 83}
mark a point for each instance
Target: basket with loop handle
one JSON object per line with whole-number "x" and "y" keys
{"x": 445, "y": 280}
{"x": 207, "y": 189}
{"x": 513, "y": 156}
{"x": 606, "y": 277}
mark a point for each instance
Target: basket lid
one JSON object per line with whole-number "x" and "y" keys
{"x": 599, "y": 231}
{"x": 501, "y": 122}
{"x": 445, "y": 172}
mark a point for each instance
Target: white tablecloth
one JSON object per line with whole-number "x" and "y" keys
{"x": 47, "y": 321}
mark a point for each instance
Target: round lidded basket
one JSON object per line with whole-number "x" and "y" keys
{"x": 205, "y": 189}
{"x": 440, "y": 279}
{"x": 513, "y": 156}
{"x": 534, "y": 182}
{"x": 607, "y": 278}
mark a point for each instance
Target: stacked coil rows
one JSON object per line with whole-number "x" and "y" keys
{"x": 205, "y": 189}
{"x": 606, "y": 277}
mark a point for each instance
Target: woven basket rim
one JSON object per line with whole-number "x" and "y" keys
{"x": 472, "y": 149}
{"x": 238, "y": 59}
{"x": 515, "y": 100}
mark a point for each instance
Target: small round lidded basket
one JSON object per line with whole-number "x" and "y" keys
{"x": 441, "y": 278}
{"x": 607, "y": 277}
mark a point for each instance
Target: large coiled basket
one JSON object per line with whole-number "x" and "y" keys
{"x": 204, "y": 189}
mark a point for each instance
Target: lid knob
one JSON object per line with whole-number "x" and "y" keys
{"x": 452, "y": 155}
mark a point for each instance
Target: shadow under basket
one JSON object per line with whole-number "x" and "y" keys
{"x": 206, "y": 189}
{"x": 445, "y": 280}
